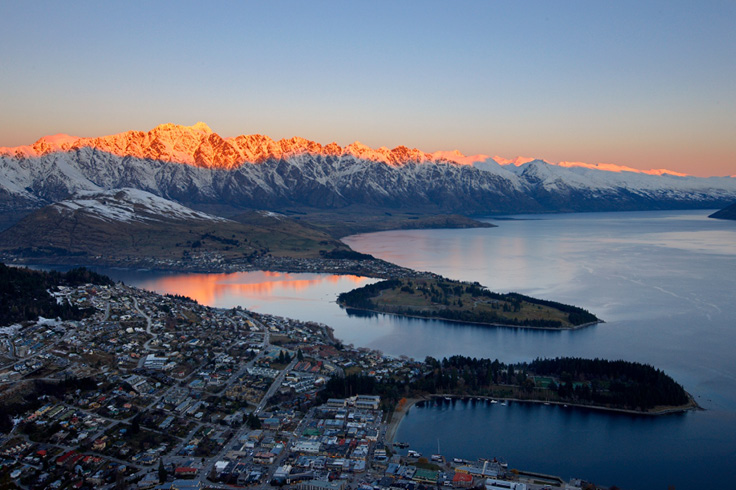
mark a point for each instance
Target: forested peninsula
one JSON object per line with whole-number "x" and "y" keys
{"x": 597, "y": 383}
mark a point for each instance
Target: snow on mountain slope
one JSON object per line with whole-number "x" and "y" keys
{"x": 610, "y": 167}
{"x": 197, "y": 167}
{"x": 129, "y": 206}
{"x": 198, "y": 145}
{"x": 588, "y": 177}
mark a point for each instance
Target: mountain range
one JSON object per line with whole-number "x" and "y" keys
{"x": 196, "y": 167}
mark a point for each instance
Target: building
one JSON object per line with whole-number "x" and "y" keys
{"x": 263, "y": 458}
{"x": 281, "y": 474}
{"x": 492, "y": 484}
{"x": 489, "y": 470}
{"x": 462, "y": 480}
{"x": 306, "y": 447}
{"x": 367, "y": 402}
{"x": 153, "y": 362}
{"x": 181, "y": 485}
{"x": 426, "y": 476}
{"x": 336, "y": 403}
{"x": 321, "y": 485}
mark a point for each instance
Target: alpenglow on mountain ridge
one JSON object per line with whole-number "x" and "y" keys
{"x": 200, "y": 169}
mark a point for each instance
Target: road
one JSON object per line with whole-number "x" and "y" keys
{"x": 149, "y": 322}
{"x": 275, "y": 385}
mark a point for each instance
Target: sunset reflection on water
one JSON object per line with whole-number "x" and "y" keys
{"x": 227, "y": 290}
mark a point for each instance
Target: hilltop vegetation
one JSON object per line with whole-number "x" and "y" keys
{"x": 439, "y": 298}
{"x": 24, "y": 293}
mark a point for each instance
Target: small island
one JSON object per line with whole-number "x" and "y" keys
{"x": 439, "y": 298}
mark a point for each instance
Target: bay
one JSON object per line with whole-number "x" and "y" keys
{"x": 687, "y": 451}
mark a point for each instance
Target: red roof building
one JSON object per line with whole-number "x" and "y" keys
{"x": 462, "y": 480}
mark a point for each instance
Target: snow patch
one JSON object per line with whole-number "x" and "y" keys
{"x": 131, "y": 205}
{"x": 10, "y": 330}
{"x": 271, "y": 214}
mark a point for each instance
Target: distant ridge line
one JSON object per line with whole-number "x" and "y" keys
{"x": 198, "y": 145}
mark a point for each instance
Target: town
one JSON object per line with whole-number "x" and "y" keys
{"x": 157, "y": 391}
{"x": 196, "y": 260}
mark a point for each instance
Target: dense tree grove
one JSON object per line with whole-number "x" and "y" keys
{"x": 630, "y": 384}
{"x": 577, "y": 315}
{"x": 32, "y": 399}
{"x": 24, "y": 293}
{"x": 181, "y": 297}
{"x": 361, "y": 297}
{"x": 614, "y": 384}
{"x": 253, "y": 421}
{"x": 345, "y": 255}
{"x": 390, "y": 391}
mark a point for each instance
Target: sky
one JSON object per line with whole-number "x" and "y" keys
{"x": 644, "y": 84}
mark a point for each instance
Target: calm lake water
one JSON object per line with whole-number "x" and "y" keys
{"x": 664, "y": 282}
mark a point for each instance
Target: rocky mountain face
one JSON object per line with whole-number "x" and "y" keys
{"x": 198, "y": 168}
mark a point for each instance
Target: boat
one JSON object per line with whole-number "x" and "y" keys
{"x": 447, "y": 398}
{"x": 438, "y": 456}
{"x": 494, "y": 401}
{"x": 503, "y": 403}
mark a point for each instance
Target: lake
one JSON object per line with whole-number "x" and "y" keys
{"x": 665, "y": 284}
{"x": 663, "y": 281}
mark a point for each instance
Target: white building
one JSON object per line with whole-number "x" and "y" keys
{"x": 153, "y": 362}
{"x": 492, "y": 484}
{"x": 306, "y": 447}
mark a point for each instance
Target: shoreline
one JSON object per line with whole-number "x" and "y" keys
{"x": 691, "y": 406}
{"x": 313, "y": 269}
{"x": 398, "y": 415}
{"x": 380, "y": 269}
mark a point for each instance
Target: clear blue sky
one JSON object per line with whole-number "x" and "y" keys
{"x": 647, "y": 84}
